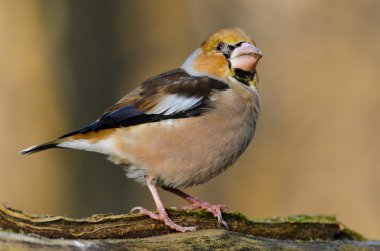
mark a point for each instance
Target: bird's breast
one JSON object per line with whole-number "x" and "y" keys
{"x": 190, "y": 151}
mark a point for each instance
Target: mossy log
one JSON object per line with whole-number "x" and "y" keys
{"x": 99, "y": 232}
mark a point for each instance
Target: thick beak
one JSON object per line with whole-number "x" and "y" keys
{"x": 245, "y": 57}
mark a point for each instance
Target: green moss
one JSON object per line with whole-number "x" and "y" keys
{"x": 196, "y": 213}
{"x": 6, "y": 230}
{"x": 302, "y": 218}
{"x": 353, "y": 235}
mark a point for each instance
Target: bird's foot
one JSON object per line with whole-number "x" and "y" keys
{"x": 163, "y": 216}
{"x": 215, "y": 210}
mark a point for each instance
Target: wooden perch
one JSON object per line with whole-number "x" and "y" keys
{"x": 138, "y": 226}
{"x": 97, "y": 230}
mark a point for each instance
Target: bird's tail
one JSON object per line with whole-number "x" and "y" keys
{"x": 42, "y": 147}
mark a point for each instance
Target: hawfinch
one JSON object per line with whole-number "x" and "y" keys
{"x": 181, "y": 127}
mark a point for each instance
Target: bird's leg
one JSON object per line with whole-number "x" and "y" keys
{"x": 162, "y": 214}
{"x": 195, "y": 203}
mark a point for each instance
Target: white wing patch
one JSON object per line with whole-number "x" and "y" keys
{"x": 174, "y": 103}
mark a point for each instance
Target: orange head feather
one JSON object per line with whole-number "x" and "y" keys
{"x": 215, "y": 56}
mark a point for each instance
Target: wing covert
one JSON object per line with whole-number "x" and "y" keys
{"x": 173, "y": 94}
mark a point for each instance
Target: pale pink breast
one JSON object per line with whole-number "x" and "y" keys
{"x": 189, "y": 151}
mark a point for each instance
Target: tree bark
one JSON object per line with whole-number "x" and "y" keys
{"x": 99, "y": 232}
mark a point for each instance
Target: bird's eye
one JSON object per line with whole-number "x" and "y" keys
{"x": 219, "y": 46}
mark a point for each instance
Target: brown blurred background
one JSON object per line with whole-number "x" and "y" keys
{"x": 316, "y": 148}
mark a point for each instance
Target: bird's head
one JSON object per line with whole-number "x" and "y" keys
{"x": 226, "y": 53}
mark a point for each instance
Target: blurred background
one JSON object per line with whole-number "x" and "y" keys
{"x": 316, "y": 148}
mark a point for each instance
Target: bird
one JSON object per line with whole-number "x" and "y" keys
{"x": 182, "y": 127}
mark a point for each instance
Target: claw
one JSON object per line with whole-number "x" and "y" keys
{"x": 163, "y": 217}
{"x": 195, "y": 203}
{"x": 144, "y": 211}
{"x": 224, "y": 223}
{"x": 215, "y": 210}
{"x": 135, "y": 209}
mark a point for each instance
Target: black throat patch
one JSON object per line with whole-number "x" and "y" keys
{"x": 244, "y": 77}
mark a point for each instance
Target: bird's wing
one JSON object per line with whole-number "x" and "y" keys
{"x": 173, "y": 94}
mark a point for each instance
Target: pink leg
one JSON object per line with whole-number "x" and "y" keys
{"x": 195, "y": 203}
{"x": 162, "y": 214}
